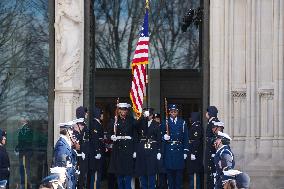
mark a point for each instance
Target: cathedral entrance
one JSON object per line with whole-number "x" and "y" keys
{"x": 175, "y": 69}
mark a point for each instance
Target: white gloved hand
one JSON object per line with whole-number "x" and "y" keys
{"x": 68, "y": 164}
{"x": 134, "y": 155}
{"x": 167, "y": 137}
{"x": 146, "y": 113}
{"x": 212, "y": 155}
{"x": 192, "y": 157}
{"x": 159, "y": 155}
{"x": 98, "y": 156}
{"x": 184, "y": 156}
{"x": 113, "y": 138}
{"x": 83, "y": 155}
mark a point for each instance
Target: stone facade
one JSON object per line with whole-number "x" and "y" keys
{"x": 246, "y": 83}
{"x": 246, "y": 78}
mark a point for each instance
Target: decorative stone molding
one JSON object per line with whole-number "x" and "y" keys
{"x": 266, "y": 94}
{"x": 239, "y": 94}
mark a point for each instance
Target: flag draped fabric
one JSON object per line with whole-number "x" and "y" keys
{"x": 139, "y": 62}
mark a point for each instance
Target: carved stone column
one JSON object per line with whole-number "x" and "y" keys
{"x": 247, "y": 83}
{"x": 69, "y": 60}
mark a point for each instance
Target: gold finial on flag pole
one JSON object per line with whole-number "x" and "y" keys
{"x": 147, "y": 4}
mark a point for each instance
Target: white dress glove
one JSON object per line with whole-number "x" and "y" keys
{"x": 192, "y": 157}
{"x": 184, "y": 156}
{"x": 146, "y": 113}
{"x": 83, "y": 155}
{"x": 98, "y": 156}
{"x": 159, "y": 155}
{"x": 68, "y": 164}
{"x": 113, "y": 138}
{"x": 167, "y": 137}
{"x": 134, "y": 155}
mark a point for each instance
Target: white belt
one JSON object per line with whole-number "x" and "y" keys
{"x": 123, "y": 137}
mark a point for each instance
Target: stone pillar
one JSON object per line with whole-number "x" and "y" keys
{"x": 69, "y": 60}
{"x": 247, "y": 81}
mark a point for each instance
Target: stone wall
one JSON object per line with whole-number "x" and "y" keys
{"x": 246, "y": 83}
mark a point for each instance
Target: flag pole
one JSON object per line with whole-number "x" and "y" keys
{"x": 147, "y": 69}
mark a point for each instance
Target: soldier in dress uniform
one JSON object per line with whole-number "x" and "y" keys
{"x": 211, "y": 115}
{"x": 176, "y": 147}
{"x": 162, "y": 175}
{"x": 233, "y": 179}
{"x": 195, "y": 159}
{"x": 24, "y": 149}
{"x": 64, "y": 155}
{"x": 60, "y": 172}
{"x": 224, "y": 157}
{"x": 97, "y": 148}
{"x": 81, "y": 134}
{"x": 148, "y": 150}
{"x": 4, "y": 159}
{"x": 50, "y": 182}
{"x": 123, "y": 134}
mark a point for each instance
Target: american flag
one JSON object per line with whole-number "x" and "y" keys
{"x": 139, "y": 62}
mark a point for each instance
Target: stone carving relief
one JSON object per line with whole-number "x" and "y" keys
{"x": 266, "y": 94}
{"x": 68, "y": 32}
{"x": 238, "y": 94}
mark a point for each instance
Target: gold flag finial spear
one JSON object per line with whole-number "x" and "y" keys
{"x": 147, "y": 4}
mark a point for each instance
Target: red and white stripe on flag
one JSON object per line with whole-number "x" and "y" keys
{"x": 138, "y": 85}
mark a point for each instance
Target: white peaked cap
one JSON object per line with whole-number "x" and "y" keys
{"x": 57, "y": 170}
{"x": 218, "y": 123}
{"x": 123, "y": 105}
{"x": 231, "y": 172}
{"x": 80, "y": 120}
{"x": 69, "y": 123}
{"x": 224, "y": 135}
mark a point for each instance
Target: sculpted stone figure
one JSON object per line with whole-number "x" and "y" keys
{"x": 68, "y": 33}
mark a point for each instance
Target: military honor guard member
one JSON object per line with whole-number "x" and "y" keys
{"x": 161, "y": 180}
{"x": 97, "y": 148}
{"x": 234, "y": 179}
{"x": 64, "y": 154}
{"x": 4, "y": 160}
{"x": 176, "y": 147}
{"x": 61, "y": 173}
{"x": 123, "y": 134}
{"x": 195, "y": 159}
{"x": 224, "y": 157}
{"x": 148, "y": 150}
{"x": 49, "y": 182}
{"x": 55, "y": 180}
{"x": 81, "y": 134}
{"x": 3, "y": 184}
{"x": 210, "y": 151}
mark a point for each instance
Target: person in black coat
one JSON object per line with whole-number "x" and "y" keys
{"x": 210, "y": 151}
{"x": 148, "y": 150}
{"x": 195, "y": 160}
{"x": 4, "y": 159}
{"x": 81, "y": 147}
{"x": 123, "y": 134}
{"x": 97, "y": 148}
{"x": 162, "y": 175}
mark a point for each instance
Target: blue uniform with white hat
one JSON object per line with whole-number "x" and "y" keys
{"x": 64, "y": 156}
{"x": 176, "y": 148}
{"x": 224, "y": 159}
{"x": 241, "y": 179}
